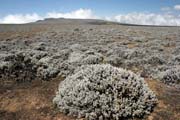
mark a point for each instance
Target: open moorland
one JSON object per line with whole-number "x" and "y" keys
{"x": 36, "y": 57}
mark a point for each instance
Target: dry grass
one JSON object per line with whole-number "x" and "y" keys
{"x": 32, "y": 101}
{"x": 168, "y": 107}
{"x": 20, "y": 33}
{"x": 131, "y": 45}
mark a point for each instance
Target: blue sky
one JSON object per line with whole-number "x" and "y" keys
{"x": 101, "y": 8}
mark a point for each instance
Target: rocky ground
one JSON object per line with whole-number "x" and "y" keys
{"x": 35, "y": 57}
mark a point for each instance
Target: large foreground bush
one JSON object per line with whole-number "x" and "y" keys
{"x": 104, "y": 92}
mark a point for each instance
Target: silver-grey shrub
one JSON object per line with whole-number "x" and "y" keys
{"x": 171, "y": 76}
{"x": 92, "y": 57}
{"x": 100, "y": 92}
{"x": 114, "y": 60}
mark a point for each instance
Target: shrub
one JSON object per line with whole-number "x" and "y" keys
{"x": 92, "y": 57}
{"x": 76, "y": 29}
{"x": 40, "y": 46}
{"x": 66, "y": 69}
{"x": 114, "y": 60}
{"x": 75, "y": 57}
{"x": 104, "y": 92}
{"x": 88, "y": 57}
{"x": 47, "y": 72}
{"x": 171, "y": 76}
{"x": 156, "y": 60}
{"x": 175, "y": 60}
{"x": 77, "y": 47}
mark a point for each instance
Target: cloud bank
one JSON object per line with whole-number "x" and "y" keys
{"x": 130, "y": 18}
{"x": 81, "y": 14}
{"x": 148, "y": 19}
{"x": 20, "y": 18}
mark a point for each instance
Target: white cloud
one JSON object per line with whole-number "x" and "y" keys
{"x": 20, "y": 18}
{"x": 148, "y": 19}
{"x": 165, "y": 8}
{"x": 177, "y": 7}
{"x": 81, "y": 13}
{"x": 26, "y": 18}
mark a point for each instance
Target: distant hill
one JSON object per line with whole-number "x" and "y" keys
{"x": 74, "y": 21}
{"x": 66, "y": 21}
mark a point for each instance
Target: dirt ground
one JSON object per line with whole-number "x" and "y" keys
{"x": 33, "y": 101}
{"x": 29, "y": 101}
{"x": 168, "y": 107}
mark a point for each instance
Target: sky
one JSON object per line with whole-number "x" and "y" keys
{"x": 152, "y": 12}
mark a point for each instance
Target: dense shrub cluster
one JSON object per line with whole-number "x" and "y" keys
{"x": 27, "y": 66}
{"x": 104, "y": 92}
{"x": 59, "y": 51}
{"x": 17, "y": 67}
